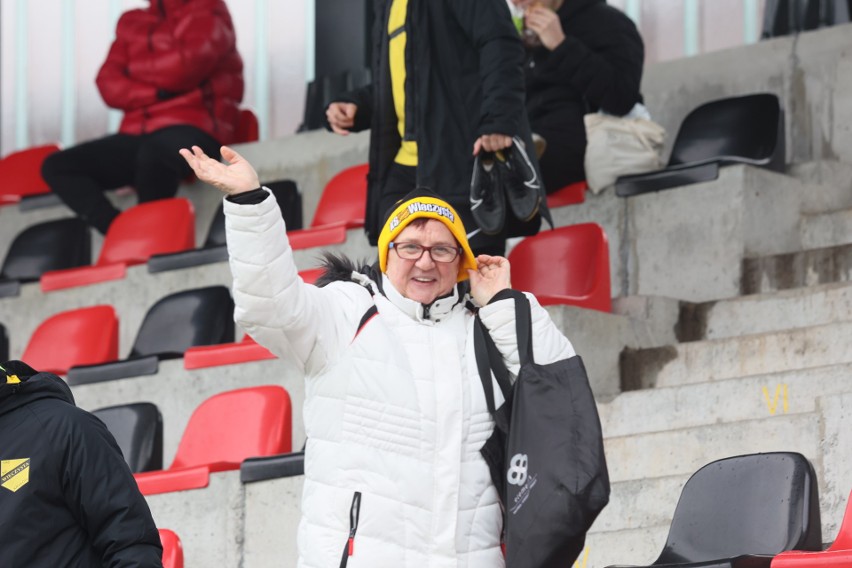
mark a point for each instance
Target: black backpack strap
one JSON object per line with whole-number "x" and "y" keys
{"x": 488, "y": 359}
{"x": 523, "y": 328}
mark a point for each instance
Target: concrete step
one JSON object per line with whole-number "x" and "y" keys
{"x": 761, "y": 313}
{"x": 641, "y": 503}
{"x": 728, "y": 358}
{"x": 761, "y": 274}
{"x": 637, "y": 547}
{"x": 832, "y": 180}
{"x": 722, "y": 402}
{"x": 689, "y": 242}
{"x": 683, "y": 451}
{"x": 820, "y": 230}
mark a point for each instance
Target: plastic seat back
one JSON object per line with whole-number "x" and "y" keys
{"x": 202, "y": 316}
{"x": 138, "y": 430}
{"x": 172, "y": 549}
{"x": 289, "y": 199}
{"x": 4, "y": 343}
{"x": 782, "y": 17}
{"x": 85, "y": 336}
{"x": 235, "y": 425}
{"x": 248, "y": 127}
{"x": 344, "y": 198}
{"x": 566, "y": 265}
{"x": 53, "y": 245}
{"x": 216, "y": 231}
{"x": 747, "y": 129}
{"x": 154, "y": 227}
{"x": 21, "y": 173}
{"x": 758, "y": 504}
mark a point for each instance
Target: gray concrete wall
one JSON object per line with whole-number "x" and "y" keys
{"x": 689, "y": 242}
{"x": 810, "y": 72}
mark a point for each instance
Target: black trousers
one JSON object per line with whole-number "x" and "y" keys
{"x": 562, "y": 161}
{"x": 403, "y": 179}
{"x": 149, "y": 162}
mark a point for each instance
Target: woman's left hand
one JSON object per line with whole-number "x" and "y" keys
{"x": 491, "y": 276}
{"x": 237, "y": 176}
{"x": 545, "y": 23}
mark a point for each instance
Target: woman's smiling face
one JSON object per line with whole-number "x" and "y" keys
{"x": 423, "y": 280}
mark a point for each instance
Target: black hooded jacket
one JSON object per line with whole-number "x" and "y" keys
{"x": 597, "y": 67}
{"x": 464, "y": 78}
{"x": 67, "y": 498}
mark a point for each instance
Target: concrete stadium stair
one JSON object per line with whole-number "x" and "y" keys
{"x": 762, "y": 313}
{"x": 696, "y": 405}
{"x": 821, "y": 230}
{"x": 728, "y": 358}
{"x": 797, "y": 269}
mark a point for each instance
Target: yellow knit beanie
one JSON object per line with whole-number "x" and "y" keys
{"x": 423, "y": 203}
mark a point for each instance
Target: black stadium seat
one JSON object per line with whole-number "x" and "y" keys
{"x": 4, "y": 344}
{"x": 740, "y": 512}
{"x": 138, "y": 430}
{"x": 53, "y": 245}
{"x": 289, "y": 201}
{"x": 203, "y": 316}
{"x": 747, "y": 129}
{"x": 784, "y": 17}
{"x": 322, "y": 90}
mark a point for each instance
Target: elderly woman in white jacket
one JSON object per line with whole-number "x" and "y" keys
{"x": 394, "y": 409}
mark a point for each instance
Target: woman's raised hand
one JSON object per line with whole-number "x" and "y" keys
{"x": 492, "y": 275}
{"x": 237, "y": 176}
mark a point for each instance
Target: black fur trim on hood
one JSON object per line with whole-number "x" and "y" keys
{"x": 340, "y": 268}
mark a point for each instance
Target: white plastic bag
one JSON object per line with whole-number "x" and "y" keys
{"x": 618, "y": 146}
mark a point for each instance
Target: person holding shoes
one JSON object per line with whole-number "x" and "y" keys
{"x": 447, "y": 86}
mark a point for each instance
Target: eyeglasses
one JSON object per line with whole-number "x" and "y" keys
{"x": 413, "y": 251}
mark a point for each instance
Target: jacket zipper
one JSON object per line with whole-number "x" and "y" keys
{"x": 354, "y": 512}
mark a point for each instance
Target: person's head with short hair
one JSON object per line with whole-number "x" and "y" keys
{"x": 423, "y": 247}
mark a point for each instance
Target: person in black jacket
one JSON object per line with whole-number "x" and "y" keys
{"x": 447, "y": 84}
{"x": 67, "y": 497}
{"x": 582, "y": 56}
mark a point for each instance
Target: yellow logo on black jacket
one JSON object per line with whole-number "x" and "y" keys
{"x": 14, "y": 474}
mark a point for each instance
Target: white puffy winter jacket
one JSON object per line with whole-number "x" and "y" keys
{"x": 394, "y": 414}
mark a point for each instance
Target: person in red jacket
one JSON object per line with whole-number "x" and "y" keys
{"x": 175, "y": 71}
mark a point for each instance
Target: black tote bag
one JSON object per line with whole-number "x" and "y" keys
{"x": 546, "y": 454}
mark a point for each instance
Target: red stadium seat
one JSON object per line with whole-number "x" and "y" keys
{"x": 342, "y": 206}
{"x": 84, "y": 336}
{"x": 838, "y": 555}
{"x": 154, "y": 227}
{"x": 172, "y": 549}
{"x": 240, "y": 351}
{"x": 224, "y": 430}
{"x": 568, "y": 265}
{"x": 225, "y": 354}
{"x": 571, "y": 194}
{"x": 248, "y": 128}
{"x": 21, "y": 173}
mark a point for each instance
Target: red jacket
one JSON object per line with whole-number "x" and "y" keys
{"x": 175, "y": 62}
